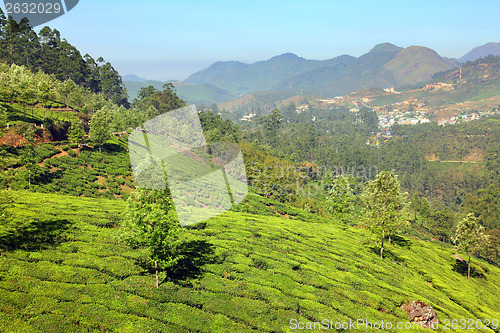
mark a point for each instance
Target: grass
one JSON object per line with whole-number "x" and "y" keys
{"x": 268, "y": 271}
{"x": 18, "y": 114}
{"x": 64, "y": 170}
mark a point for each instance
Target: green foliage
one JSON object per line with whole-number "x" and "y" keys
{"x": 151, "y": 224}
{"x": 340, "y": 201}
{"x": 159, "y": 102}
{"x": 386, "y": 206}
{"x": 470, "y": 237}
{"x": 99, "y": 127}
{"x": 218, "y": 130}
{"x": 76, "y": 132}
{"x": 486, "y": 205}
{"x": 48, "y": 53}
{"x": 269, "y": 270}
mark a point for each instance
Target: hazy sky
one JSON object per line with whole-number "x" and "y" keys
{"x": 171, "y": 39}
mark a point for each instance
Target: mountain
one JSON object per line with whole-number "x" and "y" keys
{"x": 481, "y": 52}
{"x": 133, "y": 87}
{"x": 384, "y": 65}
{"x": 346, "y": 74}
{"x": 133, "y": 78}
{"x": 243, "y": 79}
{"x": 416, "y": 64}
{"x": 202, "y": 93}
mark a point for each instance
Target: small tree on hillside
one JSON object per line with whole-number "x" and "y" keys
{"x": 100, "y": 127}
{"x": 340, "y": 202}
{"x": 386, "y": 206}
{"x": 470, "y": 237}
{"x": 76, "y": 132}
{"x": 28, "y": 155}
{"x": 5, "y": 202}
{"x": 151, "y": 224}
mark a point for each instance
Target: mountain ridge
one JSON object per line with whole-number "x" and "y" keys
{"x": 481, "y": 52}
{"x": 336, "y": 76}
{"x": 384, "y": 65}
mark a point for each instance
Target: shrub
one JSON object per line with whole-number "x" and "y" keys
{"x": 71, "y": 153}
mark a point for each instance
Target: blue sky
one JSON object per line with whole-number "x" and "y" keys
{"x": 172, "y": 39}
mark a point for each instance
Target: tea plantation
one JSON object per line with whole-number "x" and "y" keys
{"x": 63, "y": 268}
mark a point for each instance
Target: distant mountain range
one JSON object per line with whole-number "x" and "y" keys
{"x": 133, "y": 78}
{"x": 481, "y": 52}
{"x": 289, "y": 74}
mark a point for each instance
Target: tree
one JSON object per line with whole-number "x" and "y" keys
{"x": 443, "y": 224}
{"x": 28, "y": 155}
{"x": 45, "y": 89}
{"x": 145, "y": 92}
{"x": 470, "y": 237}
{"x": 76, "y": 132}
{"x": 151, "y": 224}
{"x": 155, "y": 103}
{"x": 5, "y": 203}
{"x": 99, "y": 127}
{"x": 340, "y": 201}
{"x": 415, "y": 205}
{"x": 369, "y": 118}
{"x": 486, "y": 205}
{"x": 111, "y": 84}
{"x": 271, "y": 125}
{"x": 492, "y": 250}
{"x": 386, "y": 206}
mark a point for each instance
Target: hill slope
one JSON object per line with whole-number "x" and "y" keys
{"x": 344, "y": 77}
{"x": 416, "y": 64}
{"x": 481, "y": 52}
{"x": 384, "y": 65}
{"x": 191, "y": 93}
{"x": 269, "y": 271}
{"x": 243, "y": 79}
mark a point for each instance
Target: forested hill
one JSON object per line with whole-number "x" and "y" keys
{"x": 49, "y": 52}
{"x": 383, "y": 65}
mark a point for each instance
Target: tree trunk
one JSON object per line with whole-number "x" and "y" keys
{"x": 468, "y": 268}
{"x": 382, "y": 246}
{"x": 390, "y": 237}
{"x": 156, "y": 269}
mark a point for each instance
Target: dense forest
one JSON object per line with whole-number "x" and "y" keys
{"x": 53, "y": 55}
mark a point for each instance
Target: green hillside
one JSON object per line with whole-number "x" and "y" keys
{"x": 416, "y": 64}
{"x": 384, "y": 65}
{"x": 242, "y": 79}
{"x": 133, "y": 87}
{"x": 476, "y": 86}
{"x": 191, "y": 93}
{"x": 265, "y": 271}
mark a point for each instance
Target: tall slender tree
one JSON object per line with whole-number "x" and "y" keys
{"x": 386, "y": 206}
{"x": 470, "y": 237}
{"x": 99, "y": 127}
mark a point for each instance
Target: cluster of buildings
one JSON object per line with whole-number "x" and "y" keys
{"x": 405, "y": 118}
{"x": 248, "y": 117}
{"x": 439, "y": 86}
{"x": 466, "y": 117}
